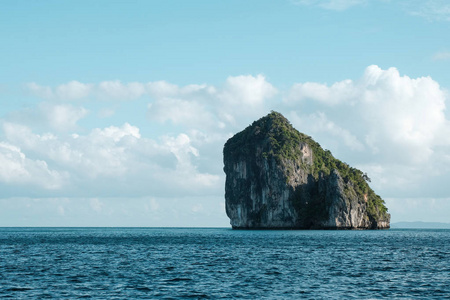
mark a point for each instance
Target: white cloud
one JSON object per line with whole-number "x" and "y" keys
{"x": 180, "y": 147}
{"x": 186, "y": 173}
{"x": 12, "y": 162}
{"x": 49, "y": 115}
{"x": 73, "y": 90}
{"x": 107, "y": 160}
{"x": 318, "y": 122}
{"x": 16, "y": 168}
{"x": 195, "y": 106}
{"x": 115, "y": 133}
{"x": 445, "y": 55}
{"x": 247, "y": 90}
{"x": 44, "y": 92}
{"x": 161, "y": 89}
{"x": 180, "y": 111}
{"x": 431, "y": 10}
{"x": 390, "y": 125}
{"x": 186, "y": 105}
{"x": 118, "y": 90}
{"x": 209, "y": 108}
{"x": 335, "y": 94}
{"x": 380, "y": 120}
{"x": 69, "y": 91}
{"x": 407, "y": 114}
{"x": 63, "y": 116}
{"x": 337, "y": 5}
{"x": 400, "y": 120}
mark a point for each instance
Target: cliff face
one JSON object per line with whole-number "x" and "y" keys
{"x": 277, "y": 177}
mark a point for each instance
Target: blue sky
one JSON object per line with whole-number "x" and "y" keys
{"x": 114, "y": 113}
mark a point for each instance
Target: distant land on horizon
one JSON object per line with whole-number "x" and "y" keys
{"x": 421, "y": 225}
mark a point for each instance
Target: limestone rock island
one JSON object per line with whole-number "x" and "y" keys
{"x": 279, "y": 178}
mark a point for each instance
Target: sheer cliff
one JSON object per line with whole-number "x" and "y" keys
{"x": 277, "y": 177}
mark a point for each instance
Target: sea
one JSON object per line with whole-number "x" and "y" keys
{"x": 221, "y": 263}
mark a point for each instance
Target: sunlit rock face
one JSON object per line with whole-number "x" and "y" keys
{"x": 277, "y": 177}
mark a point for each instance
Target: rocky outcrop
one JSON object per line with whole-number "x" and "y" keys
{"x": 277, "y": 177}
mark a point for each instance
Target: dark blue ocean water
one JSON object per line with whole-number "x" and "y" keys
{"x": 148, "y": 263}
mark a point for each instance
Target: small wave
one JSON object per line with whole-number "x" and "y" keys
{"x": 178, "y": 279}
{"x": 143, "y": 289}
{"x": 18, "y": 289}
{"x": 219, "y": 263}
{"x": 196, "y": 296}
{"x": 273, "y": 273}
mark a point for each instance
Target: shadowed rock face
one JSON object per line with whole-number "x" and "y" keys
{"x": 277, "y": 177}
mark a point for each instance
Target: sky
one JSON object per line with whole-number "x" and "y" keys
{"x": 115, "y": 113}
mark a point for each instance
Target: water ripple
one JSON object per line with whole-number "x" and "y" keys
{"x": 222, "y": 264}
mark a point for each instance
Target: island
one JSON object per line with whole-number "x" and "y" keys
{"x": 279, "y": 178}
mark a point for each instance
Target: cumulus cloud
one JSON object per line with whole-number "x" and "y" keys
{"x": 247, "y": 90}
{"x": 203, "y": 106}
{"x": 335, "y": 94}
{"x": 390, "y": 125}
{"x": 72, "y": 90}
{"x": 180, "y": 111}
{"x": 210, "y": 112}
{"x": 62, "y": 117}
{"x": 69, "y": 91}
{"x": 105, "y": 161}
{"x": 396, "y": 122}
{"x": 100, "y": 153}
{"x": 49, "y": 115}
{"x": 44, "y": 92}
{"x": 17, "y": 169}
{"x": 387, "y": 124}
{"x": 163, "y": 89}
{"x": 117, "y": 159}
{"x": 118, "y": 90}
